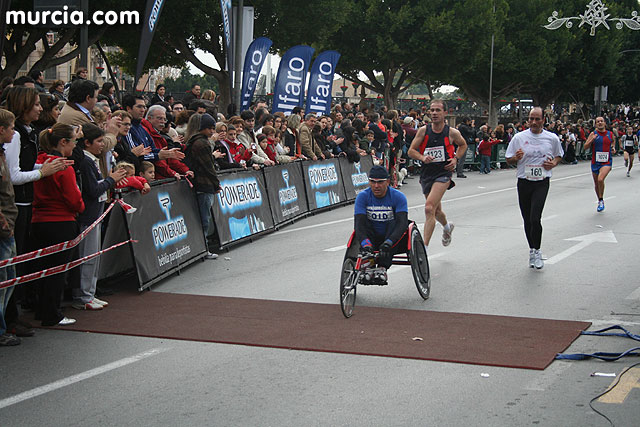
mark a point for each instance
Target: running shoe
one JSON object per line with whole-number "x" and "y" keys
{"x": 446, "y": 235}
{"x": 537, "y": 262}
{"x": 600, "y": 206}
{"x": 628, "y": 174}
{"x": 532, "y": 258}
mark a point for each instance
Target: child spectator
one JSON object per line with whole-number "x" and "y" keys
{"x": 147, "y": 171}
{"x": 267, "y": 142}
{"x": 226, "y": 161}
{"x": 132, "y": 181}
{"x": 94, "y": 194}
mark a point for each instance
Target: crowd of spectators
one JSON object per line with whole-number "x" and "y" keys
{"x": 75, "y": 143}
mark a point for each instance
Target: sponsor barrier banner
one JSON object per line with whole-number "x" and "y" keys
{"x": 253, "y": 61}
{"x": 355, "y": 175}
{"x": 320, "y": 82}
{"x": 287, "y": 196}
{"x": 291, "y": 79}
{"x": 149, "y": 25}
{"x": 242, "y": 207}
{"x": 323, "y": 182}
{"x": 167, "y": 227}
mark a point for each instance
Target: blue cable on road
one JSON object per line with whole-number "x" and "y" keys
{"x": 607, "y": 357}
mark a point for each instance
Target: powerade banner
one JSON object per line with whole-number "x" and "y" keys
{"x": 356, "y": 175}
{"x": 154, "y": 7}
{"x": 242, "y": 207}
{"x": 323, "y": 182}
{"x": 168, "y": 230}
{"x": 291, "y": 79}
{"x": 320, "y": 82}
{"x": 287, "y": 194}
{"x": 253, "y": 61}
{"x": 225, "y": 7}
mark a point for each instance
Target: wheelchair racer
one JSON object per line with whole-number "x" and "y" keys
{"x": 381, "y": 219}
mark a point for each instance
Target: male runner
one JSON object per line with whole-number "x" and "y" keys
{"x": 433, "y": 147}
{"x": 630, "y": 142}
{"x": 381, "y": 218}
{"x": 602, "y": 146}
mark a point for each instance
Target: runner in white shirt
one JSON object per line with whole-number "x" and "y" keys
{"x": 535, "y": 151}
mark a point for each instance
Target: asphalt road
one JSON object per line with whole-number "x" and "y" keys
{"x": 64, "y": 378}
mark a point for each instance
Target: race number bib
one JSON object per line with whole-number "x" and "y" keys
{"x": 533, "y": 172}
{"x": 628, "y": 142}
{"x": 436, "y": 152}
{"x": 602, "y": 156}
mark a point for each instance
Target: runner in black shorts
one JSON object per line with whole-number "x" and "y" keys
{"x": 433, "y": 146}
{"x": 630, "y": 142}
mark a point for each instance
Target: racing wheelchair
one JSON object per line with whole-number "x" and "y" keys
{"x": 362, "y": 269}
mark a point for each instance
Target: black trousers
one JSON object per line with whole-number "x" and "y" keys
{"x": 531, "y": 197}
{"x": 50, "y": 288}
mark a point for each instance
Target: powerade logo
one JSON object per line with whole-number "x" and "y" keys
{"x": 239, "y": 194}
{"x": 289, "y": 194}
{"x": 170, "y": 231}
{"x": 359, "y": 178}
{"x": 155, "y": 11}
{"x": 323, "y": 175}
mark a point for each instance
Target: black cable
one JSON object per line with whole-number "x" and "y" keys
{"x": 607, "y": 391}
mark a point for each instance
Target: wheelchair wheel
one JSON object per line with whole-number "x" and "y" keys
{"x": 348, "y": 282}
{"x": 419, "y": 264}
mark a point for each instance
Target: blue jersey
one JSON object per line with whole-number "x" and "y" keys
{"x": 381, "y": 212}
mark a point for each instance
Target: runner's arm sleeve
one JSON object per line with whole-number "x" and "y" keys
{"x": 400, "y": 226}
{"x": 362, "y": 237}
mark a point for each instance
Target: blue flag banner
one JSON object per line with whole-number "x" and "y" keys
{"x": 253, "y": 61}
{"x": 225, "y": 6}
{"x": 154, "y": 7}
{"x": 321, "y": 81}
{"x": 292, "y": 79}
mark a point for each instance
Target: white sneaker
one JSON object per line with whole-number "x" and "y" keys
{"x": 101, "y": 302}
{"x": 532, "y": 258}
{"x": 211, "y": 255}
{"x": 92, "y": 305}
{"x": 66, "y": 321}
{"x": 537, "y": 262}
{"x": 446, "y": 235}
{"x": 628, "y": 174}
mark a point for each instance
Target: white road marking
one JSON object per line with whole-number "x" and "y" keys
{"x": 605, "y": 323}
{"x": 634, "y": 295}
{"x": 547, "y": 218}
{"x": 308, "y": 227}
{"x": 77, "y": 378}
{"x": 584, "y": 241}
{"x": 336, "y": 248}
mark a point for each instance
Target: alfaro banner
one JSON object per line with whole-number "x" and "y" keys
{"x": 292, "y": 78}
{"x": 225, "y": 8}
{"x": 356, "y": 175}
{"x": 286, "y": 190}
{"x": 253, "y": 60}
{"x": 154, "y": 7}
{"x": 241, "y": 208}
{"x": 323, "y": 183}
{"x": 321, "y": 81}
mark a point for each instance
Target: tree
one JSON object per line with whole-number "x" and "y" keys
{"x": 186, "y": 80}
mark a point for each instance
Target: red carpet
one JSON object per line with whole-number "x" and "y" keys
{"x": 515, "y": 342}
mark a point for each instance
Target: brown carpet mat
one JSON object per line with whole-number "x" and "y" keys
{"x": 516, "y": 342}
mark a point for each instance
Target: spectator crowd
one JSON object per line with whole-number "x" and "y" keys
{"x": 66, "y": 149}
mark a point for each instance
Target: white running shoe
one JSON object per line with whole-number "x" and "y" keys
{"x": 211, "y": 255}
{"x": 446, "y": 235}
{"x": 532, "y": 258}
{"x": 537, "y": 262}
{"x": 101, "y": 302}
{"x": 628, "y": 174}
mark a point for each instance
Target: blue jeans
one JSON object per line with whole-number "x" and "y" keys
{"x": 205, "y": 201}
{"x": 7, "y": 250}
{"x": 485, "y": 164}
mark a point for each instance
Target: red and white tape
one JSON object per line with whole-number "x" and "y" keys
{"x": 63, "y": 246}
{"x": 58, "y": 269}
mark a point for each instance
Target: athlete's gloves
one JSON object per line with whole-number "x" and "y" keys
{"x": 385, "y": 257}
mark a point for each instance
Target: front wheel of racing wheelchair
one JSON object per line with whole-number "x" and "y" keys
{"x": 354, "y": 267}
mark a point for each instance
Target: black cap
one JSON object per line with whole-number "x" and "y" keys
{"x": 207, "y": 121}
{"x": 378, "y": 172}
